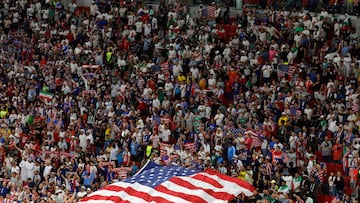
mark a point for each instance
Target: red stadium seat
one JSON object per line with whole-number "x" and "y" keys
{"x": 347, "y": 190}
{"x": 330, "y": 167}
{"x": 324, "y": 198}
{"x": 318, "y": 156}
{"x": 346, "y": 180}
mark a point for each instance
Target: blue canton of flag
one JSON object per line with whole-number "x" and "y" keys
{"x": 158, "y": 174}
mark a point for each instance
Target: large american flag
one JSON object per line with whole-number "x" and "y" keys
{"x": 154, "y": 183}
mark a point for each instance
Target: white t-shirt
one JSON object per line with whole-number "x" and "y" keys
{"x": 72, "y": 7}
{"x": 194, "y": 72}
{"x": 131, "y": 20}
{"x": 82, "y": 140}
{"x": 266, "y": 70}
{"x": 169, "y": 88}
{"x": 139, "y": 26}
{"x": 147, "y": 29}
{"x": 165, "y": 135}
{"x": 177, "y": 69}
{"x": 219, "y": 119}
{"x": 15, "y": 17}
{"x": 154, "y": 23}
{"x": 93, "y": 9}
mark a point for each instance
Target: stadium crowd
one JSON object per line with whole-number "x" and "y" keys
{"x": 87, "y": 96}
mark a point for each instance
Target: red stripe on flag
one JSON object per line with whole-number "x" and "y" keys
{"x": 217, "y": 195}
{"x": 105, "y": 198}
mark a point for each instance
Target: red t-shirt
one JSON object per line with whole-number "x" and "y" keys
{"x": 337, "y": 152}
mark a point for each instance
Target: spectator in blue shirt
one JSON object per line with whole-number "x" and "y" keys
{"x": 88, "y": 178}
{"x": 230, "y": 152}
{"x": 4, "y": 189}
{"x": 133, "y": 148}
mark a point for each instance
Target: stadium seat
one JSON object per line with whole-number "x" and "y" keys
{"x": 318, "y": 156}
{"x": 330, "y": 167}
{"x": 346, "y": 181}
{"x": 324, "y": 198}
{"x": 347, "y": 190}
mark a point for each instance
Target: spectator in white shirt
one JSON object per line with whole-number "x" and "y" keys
{"x": 165, "y": 133}
{"x": 266, "y": 72}
{"x": 62, "y": 144}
